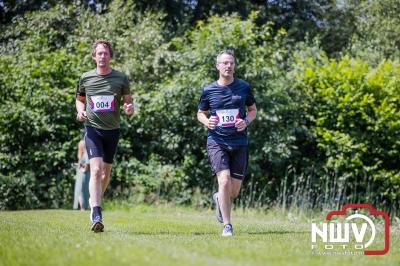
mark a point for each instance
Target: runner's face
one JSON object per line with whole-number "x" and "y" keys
{"x": 226, "y": 66}
{"x": 102, "y": 56}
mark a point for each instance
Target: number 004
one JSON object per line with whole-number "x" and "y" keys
{"x": 101, "y": 105}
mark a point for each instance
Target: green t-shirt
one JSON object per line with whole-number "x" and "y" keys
{"x": 103, "y": 97}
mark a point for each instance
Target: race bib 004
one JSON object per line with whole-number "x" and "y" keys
{"x": 102, "y": 103}
{"x": 227, "y": 117}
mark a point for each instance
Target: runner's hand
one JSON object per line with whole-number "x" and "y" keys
{"x": 240, "y": 124}
{"x": 128, "y": 108}
{"x": 81, "y": 116}
{"x": 212, "y": 122}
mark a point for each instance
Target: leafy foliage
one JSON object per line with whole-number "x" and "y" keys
{"x": 354, "y": 112}
{"x": 377, "y": 30}
{"x": 327, "y": 129}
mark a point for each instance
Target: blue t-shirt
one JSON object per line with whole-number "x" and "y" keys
{"x": 227, "y": 103}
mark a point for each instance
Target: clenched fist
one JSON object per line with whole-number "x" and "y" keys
{"x": 212, "y": 122}
{"x": 128, "y": 108}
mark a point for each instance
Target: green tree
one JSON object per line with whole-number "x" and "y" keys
{"x": 44, "y": 54}
{"x": 353, "y": 110}
{"x": 377, "y": 30}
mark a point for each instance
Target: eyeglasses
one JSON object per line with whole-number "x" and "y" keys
{"x": 225, "y": 63}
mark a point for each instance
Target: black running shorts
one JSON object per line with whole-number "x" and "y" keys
{"x": 224, "y": 157}
{"x": 101, "y": 143}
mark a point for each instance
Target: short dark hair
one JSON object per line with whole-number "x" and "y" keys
{"x": 105, "y": 43}
{"x": 226, "y": 51}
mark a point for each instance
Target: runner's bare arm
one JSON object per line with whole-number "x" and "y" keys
{"x": 251, "y": 113}
{"x": 202, "y": 117}
{"x": 80, "y": 108}
{"x": 208, "y": 122}
{"x": 241, "y": 124}
{"x": 128, "y": 105}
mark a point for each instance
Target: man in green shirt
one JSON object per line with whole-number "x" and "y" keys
{"x": 98, "y": 97}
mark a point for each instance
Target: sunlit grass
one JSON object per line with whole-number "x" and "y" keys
{"x": 164, "y": 235}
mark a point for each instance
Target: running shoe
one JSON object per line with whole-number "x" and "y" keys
{"x": 228, "y": 230}
{"x": 97, "y": 221}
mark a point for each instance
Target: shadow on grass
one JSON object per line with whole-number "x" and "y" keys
{"x": 162, "y": 233}
{"x": 277, "y": 232}
{"x": 206, "y": 233}
{"x": 174, "y": 233}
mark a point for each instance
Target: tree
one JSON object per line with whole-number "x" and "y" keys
{"x": 377, "y": 30}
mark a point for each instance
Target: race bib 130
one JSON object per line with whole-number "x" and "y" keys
{"x": 227, "y": 117}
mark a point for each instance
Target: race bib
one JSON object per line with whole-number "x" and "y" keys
{"x": 227, "y": 117}
{"x": 102, "y": 103}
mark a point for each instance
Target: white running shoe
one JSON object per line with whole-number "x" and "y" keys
{"x": 228, "y": 230}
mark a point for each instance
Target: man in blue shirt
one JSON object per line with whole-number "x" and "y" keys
{"x": 222, "y": 109}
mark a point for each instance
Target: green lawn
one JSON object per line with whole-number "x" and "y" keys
{"x": 165, "y": 236}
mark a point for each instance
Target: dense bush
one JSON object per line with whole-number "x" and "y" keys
{"x": 40, "y": 67}
{"x": 353, "y": 112}
{"x": 327, "y": 130}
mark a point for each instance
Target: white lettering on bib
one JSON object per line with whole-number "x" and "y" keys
{"x": 227, "y": 117}
{"x": 102, "y": 103}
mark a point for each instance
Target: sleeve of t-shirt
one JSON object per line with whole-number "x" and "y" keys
{"x": 80, "y": 89}
{"x": 250, "y": 100}
{"x": 125, "y": 89}
{"x": 204, "y": 103}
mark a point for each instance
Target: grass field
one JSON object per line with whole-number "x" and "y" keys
{"x": 165, "y": 236}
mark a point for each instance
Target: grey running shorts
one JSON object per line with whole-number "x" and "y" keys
{"x": 224, "y": 157}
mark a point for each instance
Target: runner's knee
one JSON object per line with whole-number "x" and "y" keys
{"x": 224, "y": 184}
{"x": 96, "y": 172}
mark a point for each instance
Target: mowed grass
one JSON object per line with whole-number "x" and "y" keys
{"x": 148, "y": 235}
